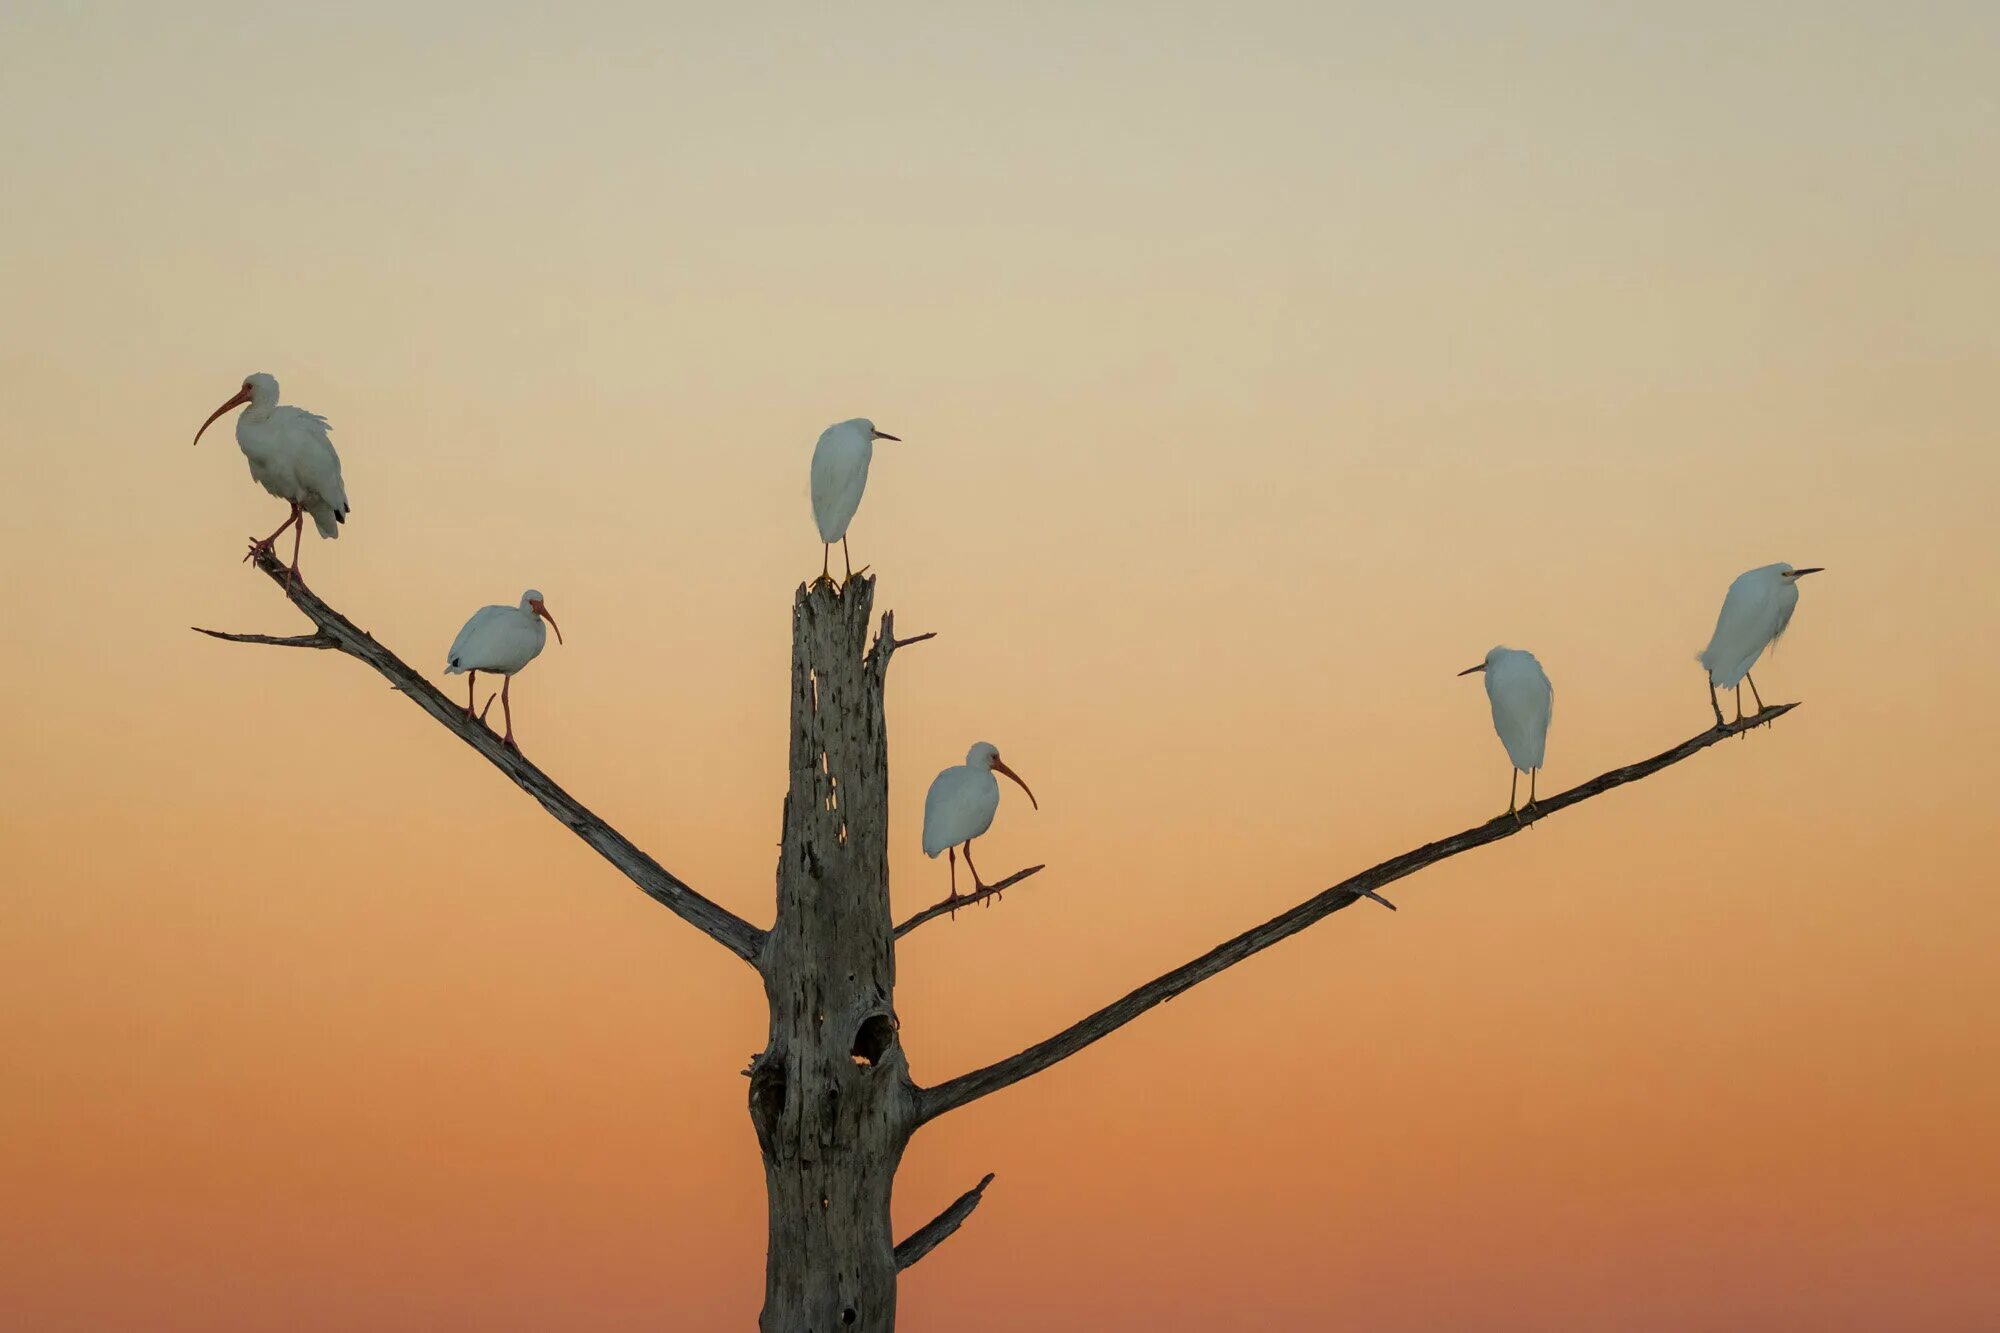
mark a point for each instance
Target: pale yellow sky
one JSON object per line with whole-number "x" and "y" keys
{"x": 1260, "y": 366}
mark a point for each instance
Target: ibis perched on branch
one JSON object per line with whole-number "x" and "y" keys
{"x": 960, "y": 806}
{"x": 1755, "y": 612}
{"x": 500, "y": 639}
{"x": 292, "y": 458}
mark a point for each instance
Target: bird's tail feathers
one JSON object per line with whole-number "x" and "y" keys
{"x": 326, "y": 521}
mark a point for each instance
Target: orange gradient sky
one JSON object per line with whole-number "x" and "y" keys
{"x": 1260, "y": 366}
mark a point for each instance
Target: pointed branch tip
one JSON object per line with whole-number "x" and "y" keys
{"x": 939, "y": 1229}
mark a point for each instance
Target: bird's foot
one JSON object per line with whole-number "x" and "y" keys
{"x": 508, "y": 741}
{"x": 258, "y": 547}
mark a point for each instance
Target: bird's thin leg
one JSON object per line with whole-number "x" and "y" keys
{"x": 951, "y": 857}
{"x": 1716, "y": 704}
{"x": 1739, "y": 701}
{"x": 825, "y": 562}
{"x": 469, "y": 679}
{"x": 507, "y": 711}
{"x": 258, "y": 546}
{"x": 1753, "y": 691}
{"x": 298, "y": 535}
{"x": 1531, "y": 794}
{"x": 844, "y": 558}
{"x": 978, "y": 886}
{"x": 1513, "y": 789}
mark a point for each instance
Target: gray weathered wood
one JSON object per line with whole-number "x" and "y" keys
{"x": 1004, "y": 1073}
{"x": 936, "y": 1231}
{"x": 948, "y": 906}
{"x": 830, "y": 1094}
{"x": 725, "y": 927}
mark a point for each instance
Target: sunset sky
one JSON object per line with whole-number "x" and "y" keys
{"x": 1259, "y": 366}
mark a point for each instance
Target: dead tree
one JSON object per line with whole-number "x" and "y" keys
{"x": 831, "y": 1096}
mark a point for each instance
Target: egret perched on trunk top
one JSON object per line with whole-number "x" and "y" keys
{"x": 1755, "y": 612}
{"x": 1523, "y": 701}
{"x": 292, "y": 458}
{"x": 839, "y": 475}
{"x": 960, "y": 805}
{"x": 501, "y": 639}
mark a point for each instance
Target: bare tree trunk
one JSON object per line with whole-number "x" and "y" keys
{"x": 830, "y": 1094}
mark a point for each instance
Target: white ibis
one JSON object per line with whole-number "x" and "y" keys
{"x": 500, "y": 639}
{"x": 839, "y": 475}
{"x": 292, "y": 458}
{"x": 1755, "y": 612}
{"x": 960, "y": 805}
{"x": 1523, "y": 701}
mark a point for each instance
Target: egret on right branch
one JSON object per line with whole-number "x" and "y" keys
{"x": 1755, "y": 612}
{"x": 1523, "y": 701}
{"x": 839, "y": 475}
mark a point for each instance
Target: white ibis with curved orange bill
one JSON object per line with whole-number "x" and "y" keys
{"x": 502, "y": 640}
{"x": 960, "y": 806}
{"x": 291, "y": 457}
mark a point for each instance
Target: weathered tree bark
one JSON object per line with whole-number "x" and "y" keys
{"x": 831, "y": 1097}
{"x": 830, "y": 1094}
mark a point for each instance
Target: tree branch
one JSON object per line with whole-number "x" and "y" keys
{"x": 957, "y": 1092}
{"x": 936, "y": 1231}
{"x": 336, "y": 631}
{"x": 938, "y": 909}
{"x": 281, "y": 640}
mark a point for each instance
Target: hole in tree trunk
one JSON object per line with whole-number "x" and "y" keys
{"x": 848, "y": 1316}
{"x": 873, "y": 1040}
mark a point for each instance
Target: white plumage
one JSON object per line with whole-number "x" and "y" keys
{"x": 839, "y": 474}
{"x": 960, "y": 806}
{"x": 1755, "y": 612}
{"x": 500, "y": 639}
{"x": 1523, "y": 702}
{"x": 291, "y": 455}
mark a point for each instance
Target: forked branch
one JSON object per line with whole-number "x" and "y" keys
{"x": 336, "y": 631}
{"x": 936, "y": 1231}
{"x": 957, "y": 1092}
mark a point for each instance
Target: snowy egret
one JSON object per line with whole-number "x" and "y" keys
{"x": 500, "y": 639}
{"x": 839, "y": 475}
{"x": 292, "y": 458}
{"x": 1523, "y": 701}
{"x": 960, "y": 805}
{"x": 1755, "y": 612}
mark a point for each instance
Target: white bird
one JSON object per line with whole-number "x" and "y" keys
{"x": 839, "y": 475}
{"x": 1755, "y": 612}
{"x": 1523, "y": 702}
{"x": 292, "y": 458}
{"x": 501, "y": 639}
{"x": 960, "y": 805}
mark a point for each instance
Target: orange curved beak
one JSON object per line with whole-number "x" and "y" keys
{"x": 242, "y": 397}
{"x": 999, "y": 767}
{"x": 542, "y": 610}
